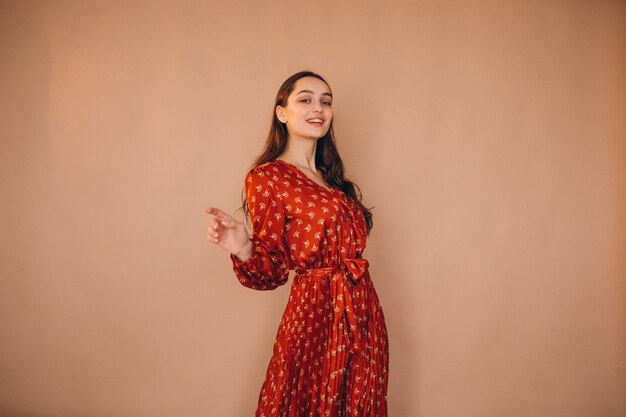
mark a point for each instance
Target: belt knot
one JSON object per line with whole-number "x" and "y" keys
{"x": 354, "y": 268}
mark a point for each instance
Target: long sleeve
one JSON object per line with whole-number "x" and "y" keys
{"x": 268, "y": 266}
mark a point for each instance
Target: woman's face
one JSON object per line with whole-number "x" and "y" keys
{"x": 309, "y": 111}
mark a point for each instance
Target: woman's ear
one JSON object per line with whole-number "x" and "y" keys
{"x": 280, "y": 113}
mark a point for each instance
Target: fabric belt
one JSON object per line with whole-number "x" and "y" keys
{"x": 346, "y": 274}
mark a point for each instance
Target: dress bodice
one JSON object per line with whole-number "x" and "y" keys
{"x": 297, "y": 224}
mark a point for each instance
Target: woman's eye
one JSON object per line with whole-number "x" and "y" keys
{"x": 308, "y": 100}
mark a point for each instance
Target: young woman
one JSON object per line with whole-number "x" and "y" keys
{"x": 331, "y": 354}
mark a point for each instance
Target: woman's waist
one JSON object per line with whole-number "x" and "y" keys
{"x": 355, "y": 268}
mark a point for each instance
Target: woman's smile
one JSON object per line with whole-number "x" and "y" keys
{"x": 316, "y": 121}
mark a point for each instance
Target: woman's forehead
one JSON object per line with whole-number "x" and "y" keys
{"x": 311, "y": 85}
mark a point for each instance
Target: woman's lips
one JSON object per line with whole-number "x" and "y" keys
{"x": 316, "y": 122}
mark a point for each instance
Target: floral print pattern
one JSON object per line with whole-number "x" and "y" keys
{"x": 331, "y": 352}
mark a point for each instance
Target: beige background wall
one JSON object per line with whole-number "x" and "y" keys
{"x": 489, "y": 136}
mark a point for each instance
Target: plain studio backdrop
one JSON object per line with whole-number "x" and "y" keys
{"x": 489, "y": 136}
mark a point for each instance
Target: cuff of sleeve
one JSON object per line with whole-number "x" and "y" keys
{"x": 248, "y": 262}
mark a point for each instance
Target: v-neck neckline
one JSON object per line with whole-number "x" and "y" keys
{"x": 299, "y": 171}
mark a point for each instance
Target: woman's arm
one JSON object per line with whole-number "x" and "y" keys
{"x": 259, "y": 261}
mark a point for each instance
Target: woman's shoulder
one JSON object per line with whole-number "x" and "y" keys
{"x": 270, "y": 166}
{"x": 267, "y": 172}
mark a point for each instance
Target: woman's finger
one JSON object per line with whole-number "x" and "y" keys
{"x": 217, "y": 213}
{"x": 213, "y": 224}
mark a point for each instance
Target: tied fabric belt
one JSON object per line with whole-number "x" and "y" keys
{"x": 342, "y": 277}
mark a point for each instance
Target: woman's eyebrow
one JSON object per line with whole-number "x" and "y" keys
{"x": 309, "y": 91}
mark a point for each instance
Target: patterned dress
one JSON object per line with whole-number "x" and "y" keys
{"x": 331, "y": 353}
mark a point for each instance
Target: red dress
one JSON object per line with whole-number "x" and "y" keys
{"x": 331, "y": 353}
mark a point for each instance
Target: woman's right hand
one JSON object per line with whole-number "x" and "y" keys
{"x": 229, "y": 233}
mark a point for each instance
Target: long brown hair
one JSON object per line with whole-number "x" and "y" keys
{"x": 327, "y": 158}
